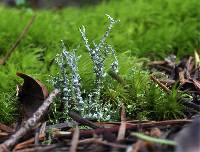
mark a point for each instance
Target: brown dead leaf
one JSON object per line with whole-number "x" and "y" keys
{"x": 31, "y": 94}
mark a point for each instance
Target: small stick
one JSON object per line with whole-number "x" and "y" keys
{"x": 36, "y": 138}
{"x": 75, "y": 140}
{"x": 30, "y": 123}
{"x": 99, "y": 141}
{"x": 17, "y": 42}
{"x": 88, "y": 140}
{"x": 83, "y": 121}
{"x": 39, "y": 148}
{"x": 110, "y": 144}
{"x": 129, "y": 126}
{"x": 24, "y": 144}
{"x": 160, "y": 84}
{"x": 61, "y": 125}
{"x": 6, "y": 128}
{"x": 122, "y": 128}
{"x": 116, "y": 77}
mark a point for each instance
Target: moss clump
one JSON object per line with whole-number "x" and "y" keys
{"x": 143, "y": 99}
{"x": 8, "y": 107}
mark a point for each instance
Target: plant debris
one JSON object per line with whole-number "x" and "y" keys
{"x": 185, "y": 75}
{"x": 31, "y": 95}
{"x": 30, "y": 123}
{"x": 81, "y": 134}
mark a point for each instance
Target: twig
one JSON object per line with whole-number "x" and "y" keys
{"x": 31, "y": 122}
{"x": 36, "y": 138}
{"x": 17, "y": 42}
{"x": 88, "y": 140}
{"x": 75, "y": 140}
{"x": 28, "y": 142}
{"x": 188, "y": 103}
{"x": 129, "y": 126}
{"x": 162, "y": 65}
{"x": 160, "y": 84}
{"x": 3, "y": 134}
{"x": 62, "y": 125}
{"x": 168, "y": 82}
{"x": 100, "y": 141}
{"x": 6, "y": 128}
{"x": 161, "y": 123}
{"x": 118, "y": 123}
{"x": 39, "y": 148}
{"x": 83, "y": 121}
{"x": 116, "y": 77}
{"x": 122, "y": 128}
{"x": 153, "y": 63}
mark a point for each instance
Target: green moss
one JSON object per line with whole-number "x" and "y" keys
{"x": 143, "y": 99}
{"x": 8, "y": 107}
{"x": 152, "y": 29}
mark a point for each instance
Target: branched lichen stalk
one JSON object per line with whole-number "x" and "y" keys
{"x": 107, "y": 33}
{"x": 63, "y": 81}
{"x": 72, "y": 63}
{"x": 98, "y": 55}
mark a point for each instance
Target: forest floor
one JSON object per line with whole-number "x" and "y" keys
{"x": 151, "y": 104}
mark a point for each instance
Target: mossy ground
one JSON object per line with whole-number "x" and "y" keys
{"x": 150, "y": 29}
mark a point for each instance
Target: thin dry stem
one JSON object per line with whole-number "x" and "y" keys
{"x": 17, "y": 42}
{"x": 30, "y": 123}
